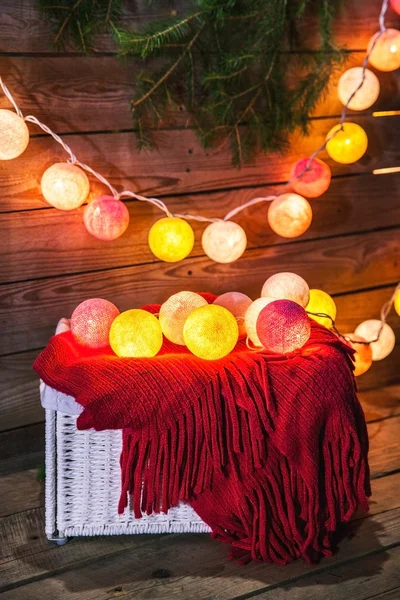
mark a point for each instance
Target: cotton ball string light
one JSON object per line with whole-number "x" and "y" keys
{"x": 211, "y": 332}
{"x": 237, "y": 304}
{"x": 106, "y": 218}
{"x": 348, "y": 145}
{"x": 171, "y": 239}
{"x": 395, "y": 4}
{"x": 369, "y": 330}
{"x": 136, "y": 333}
{"x": 65, "y": 186}
{"x": 289, "y": 215}
{"x": 287, "y": 286}
{"x": 283, "y": 326}
{"x": 91, "y": 322}
{"x": 321, "y": 302}
{"x": 14, "y": 135}
{"x": 224, "y": 241}
{"x": 174, "y": 312}
{"x": 385, "y": 56}
{"x": 251, "y": 316}
{"x": 363, "y": 355}
{"x": 368, "y": 93}
{"x": 397, "y": 303}
{"x": 314, "y": 180}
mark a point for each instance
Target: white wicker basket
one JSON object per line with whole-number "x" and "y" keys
{"x": 83, "y": 481}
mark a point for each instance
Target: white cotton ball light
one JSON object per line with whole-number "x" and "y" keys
{"x": 237, "y": 304}
{"x": 174, "y": 312}
{"x": 65, "y": 186}
{"x": 287, "y": 286}
{"x": 251, "y": 316}
{"x": 368, "y": 93}
{"x": 369, "y": 330}
{"x": 224, "y": 241}
{"x": 289, "y": 215}
{"x": 14, "y": 135}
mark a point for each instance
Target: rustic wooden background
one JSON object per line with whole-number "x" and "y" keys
{"x": 49, "y": 263}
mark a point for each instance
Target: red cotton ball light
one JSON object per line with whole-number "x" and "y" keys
{"x": 106, "y": 218}
{"x": 395, "y": 4}
{"x": 91, "y": 322}
{"x": 283, "y": 326}
{"x": 314, "y": 181}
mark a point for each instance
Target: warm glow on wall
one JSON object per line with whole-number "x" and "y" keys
{"x": 171, "y": 239}
{"x": 211, "y": 332}
{"x": 136, "y": 333}
{"x": 383, "y": 346}
{"x": 287, "y": 286}
{"x": 91, "y": 322}
{"x": 386, "y": 53}
{"x": 224, "y": 241}
{"x": 315, "y": 178}
{"x": 348, "y": 145}
{"x": 283, "y": 326}
{"x": 289, "y": 215}
{"x": 321, "y": 302}
{"x": 237, "y": 304}
{"x": 106, "y": 218}
{"x": 65, "y": 186}
{"x": 363, "y": 355}
{"x": 368, "y": 93}
{"x": 175, "y": 311}
{"x": 14, "y": 135}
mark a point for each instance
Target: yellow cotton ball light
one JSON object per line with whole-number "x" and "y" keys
{"x": 174, "y": 312}
{"x": 136, "y": 333}
{"x": 251, "y": 316}
{"x": 289, "y": 215}
{"x": 348, "y": 145}
{"x": 287, "y": 286}
{"x": 171, "y": 239}
{"x": 14, "y": 135}
{"x": 397, "y": 303}
{"x": 321, "y": 302}
{"x": 385, "y": 55}
{"x": 224, "y": 241}
{"x": 237, "y": 304}
{"x": 369, "y": 330}
{"x": 65, "y": 186}
{"x": 211, "y": 332}
{"x": 368, "y": 93}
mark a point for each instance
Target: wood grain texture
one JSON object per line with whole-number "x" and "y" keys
{"x": 32, "y": 245}
{"x": 20, "y": 492}
{"x": 179, "y": 165}
{"x": 21, "y": 449}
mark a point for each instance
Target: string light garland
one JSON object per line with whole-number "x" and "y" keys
{"x": 66, "y": 187}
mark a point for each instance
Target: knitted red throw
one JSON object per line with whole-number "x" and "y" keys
{"x": 270, "y": 450}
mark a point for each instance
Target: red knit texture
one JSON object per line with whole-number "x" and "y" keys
{"x": 270, "y": 450}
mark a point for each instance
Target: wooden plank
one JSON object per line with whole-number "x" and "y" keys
{"x": 383, "y": 372}
{"x": 381, "y": 403}
{"x": 196, "y": 563}
{"x": 21, "y": 449}
{"x": 384, "y": 450}
{"x": 20, "y": 492}
{"x": 188, "y": 168}
{"x": 31, "y": 244}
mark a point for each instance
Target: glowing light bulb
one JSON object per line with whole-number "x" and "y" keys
{"x": 287, "y": 286}
{"x": 91, "y": 322}
{"x": 385, "y": 55}
{"x": 321, "y": 302}
{"x": 283, "y": 326}
{"x": 366, "y": 95}
{"x": 171, "y": 239}
{"x": 65, "y": 186}
{"x": 369, "y": 330}
{"x": 314, "y": 181}
{"x": 348, "y": 145}
{"x": 397, "y": 303}
{"x": 363, "y": 355}
{"x": 174, "y": 312}
{"x": 251, "y": 316}
{"x": 224, "y": 241}
{"x": 14, "y": 135}
{"x": 237, "y": 304}
{"x": 395, "y": 4}
{"x": 106, "y": 218}
{"x": 136, "y": 333}
{"x": 210, "y": 332}
{"x": 289, "y": 215}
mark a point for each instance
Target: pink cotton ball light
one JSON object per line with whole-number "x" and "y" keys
{"x": 283, "y": 326}
{"x": 395, "y": 4}
{"x": 313, "y": 181}
{"x": 106, "y": 218}
{"x": 237, "y": 304}
{"x": 91, "y": 322}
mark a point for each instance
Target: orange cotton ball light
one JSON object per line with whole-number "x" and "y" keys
{"x": 385, "y": 55}
{"x": 287, "y": 286}
{"x": 65, "y": 186}
{"x": 91, "y": 322}
{"x": 348, "y": 145}
{"x": 237, "y": 304}
{"x": 14, "y": 135}
{"x": 106, "y": 218}
{"x": 136, "y": 333}
{"x": 312, "y": 182}
{"x": 289, "y": 215}
{"x": 363, "y": 355}
{"x": 283, "y": 326}
{"x": 171, "y": 239}
{"x": 174, "y": 312}
{"x": 210, "y": 332}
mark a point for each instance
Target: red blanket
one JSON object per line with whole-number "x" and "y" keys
{"x": 270, "y": 450}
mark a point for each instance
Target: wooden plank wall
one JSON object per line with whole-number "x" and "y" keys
{"x": 49, "y": 263}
